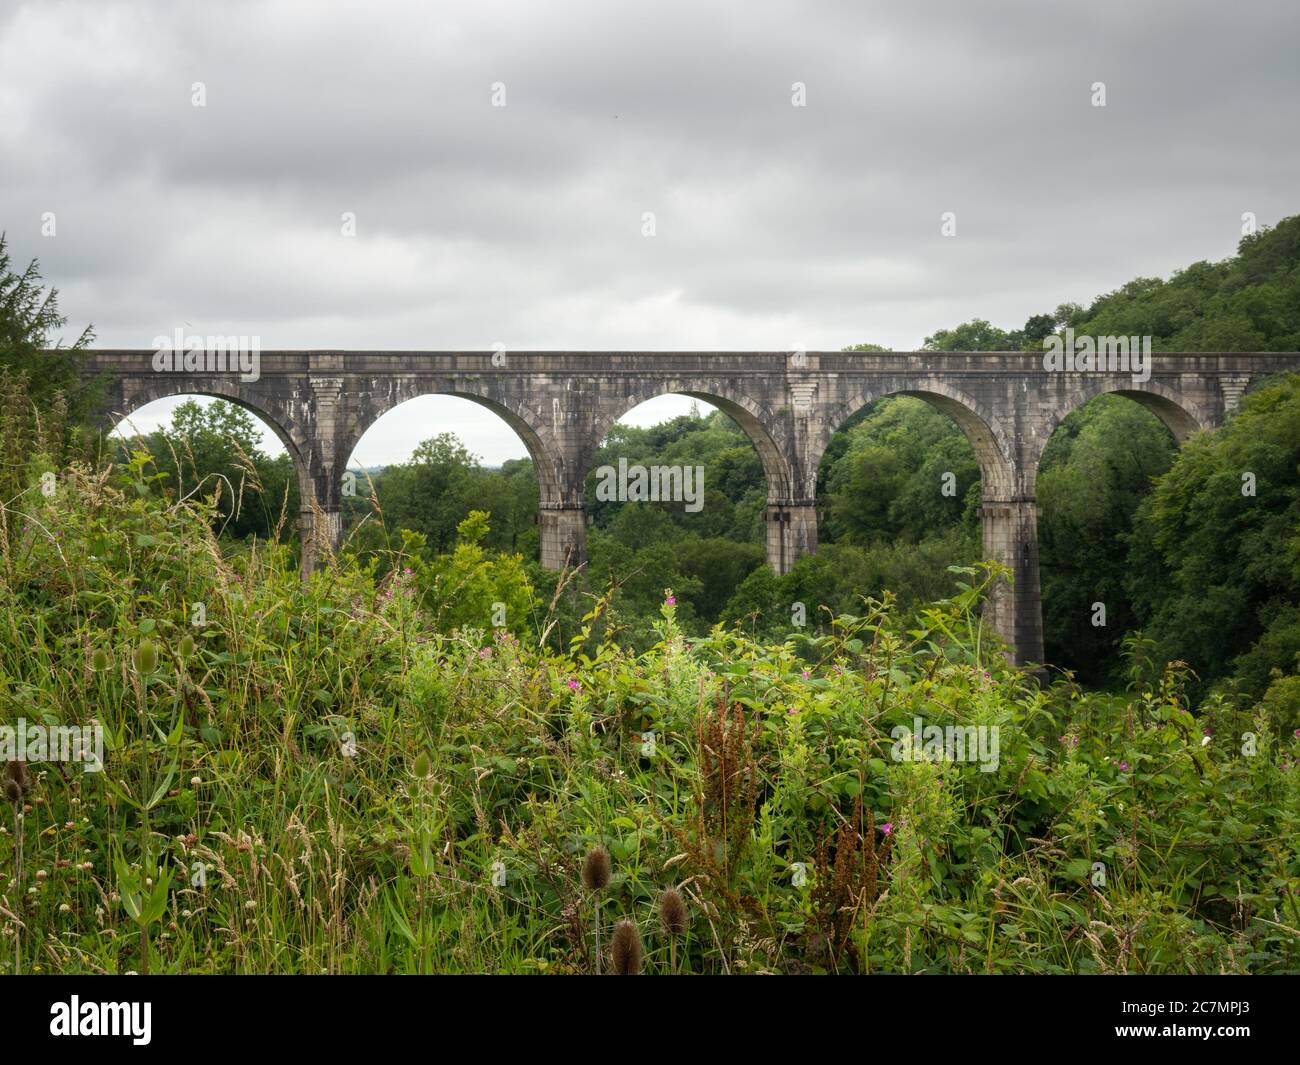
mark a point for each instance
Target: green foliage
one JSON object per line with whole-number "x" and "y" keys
{"x": 215, "y": 451}
{"x": 470, "y": 588}
{"x": 887, "y": 480}
{"x": 43, "y": 402}
{"x": 316, "y": 778}
{"x": 1214, "y": 568}
{"x": 1097, "y": 468}
{"x": 1250, "y": 302}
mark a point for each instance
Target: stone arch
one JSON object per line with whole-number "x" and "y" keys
{"x": 756, "y": 421}
{"x": 992, "y": 447}
{"x": 1180, "y": 415}
{"x": 538, "y": 439}
{"x": 286, "y": 429}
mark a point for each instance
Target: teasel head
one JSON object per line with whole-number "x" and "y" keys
{"x": 146, "y": 657}
{"x": 672, "y": 912}
{"x": 16, "y": 782}
{"x": 596, "y": 869}
{"x": 626, "y": 953}
{"x": 99, "y": 660}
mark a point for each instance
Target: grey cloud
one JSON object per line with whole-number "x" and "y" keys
{"x": 775, "y": 224}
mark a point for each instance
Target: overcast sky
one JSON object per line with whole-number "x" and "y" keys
{"x": 775, "y": 226}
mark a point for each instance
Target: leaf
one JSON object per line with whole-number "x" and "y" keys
{"x": 162, "y": 788}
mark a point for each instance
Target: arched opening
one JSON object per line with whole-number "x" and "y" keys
{"x": 678, "y": 492}
{"x": 902, "y": 477}
{"x": 430, "y": 460}
{"x": 1095, "y": 470}
{"x": 206, "y": 444}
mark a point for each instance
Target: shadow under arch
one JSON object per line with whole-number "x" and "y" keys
{"x": 752, "y": 418}
{"x": 992, "y": 449}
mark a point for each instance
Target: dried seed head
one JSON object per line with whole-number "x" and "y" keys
{"x": 16, "y": 782}
{"x": 596, "y": 869}
{"x": 626, "y": 954}
{"x": 672, "y": 912}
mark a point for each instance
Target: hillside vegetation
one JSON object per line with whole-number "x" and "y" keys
{"x": 434, "y": 756}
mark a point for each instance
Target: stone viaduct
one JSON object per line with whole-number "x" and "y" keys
{"x": 563, "y": 404}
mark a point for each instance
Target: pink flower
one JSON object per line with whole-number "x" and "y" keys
{"x": 574, "y": 685}
{"x": 887, "y": 828}
{"x": 484, "y": 652}
{"x": 1123, "y": 767}
{"x": 671, "y": 601}
{"x": 805, "y": 674}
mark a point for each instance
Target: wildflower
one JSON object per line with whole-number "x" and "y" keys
{"x": 1123, "y": 767}
{"x": 64, "y": 908}
{"x": 195, "y": 781}
{"x": 483, "y": 652}
{"x": 574, "y": 684}
{"x": 887, "y": 828}
{"x": 805, "y": 674}
{"x": 670, "y": 601}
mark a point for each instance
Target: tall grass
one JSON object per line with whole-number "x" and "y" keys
{"x": 308, "y": 778}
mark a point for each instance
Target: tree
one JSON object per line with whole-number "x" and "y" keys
{"x": 217, "y": 448}
{"x": 975, "y": 335}
{"x": 1214, "y": 567}
{"x": 44, "y": 404}
{"x": 1096, "y": 469}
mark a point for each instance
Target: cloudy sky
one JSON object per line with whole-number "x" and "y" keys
{"x": 775, "y": 226}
